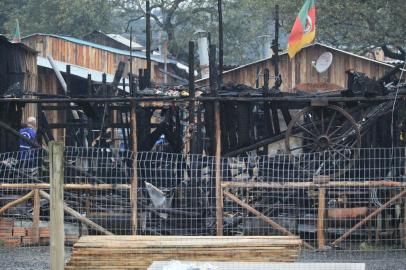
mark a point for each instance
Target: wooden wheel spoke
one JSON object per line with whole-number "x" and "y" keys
{"x": 331, "y": 122}
{"x": 341, "y": 145}
{"x": 308, "y": 131}
{"x": 302, "y": 137}
{"x": 335, "y": 131}
{"x": 314, "y": 124}
{"x": 340, "y": 154}
{"x": 302, "y": 146}
{"x": 322, "y": 121}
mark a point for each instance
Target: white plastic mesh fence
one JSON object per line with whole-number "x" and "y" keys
{"x": 343, "y": 200}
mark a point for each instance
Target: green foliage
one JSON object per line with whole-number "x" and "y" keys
{"x": 70, "y": 17}
{"x": 356, "y": 25}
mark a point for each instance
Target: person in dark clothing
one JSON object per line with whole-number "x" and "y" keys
{"x": 29, "y": 132}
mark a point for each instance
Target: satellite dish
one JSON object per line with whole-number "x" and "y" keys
{"x": 323, "y": 62}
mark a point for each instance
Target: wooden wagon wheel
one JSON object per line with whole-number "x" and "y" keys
{"x": 324, "y": 138}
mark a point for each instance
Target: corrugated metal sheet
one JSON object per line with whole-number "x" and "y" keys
{"x": 126, "y": 41}
{"x": 79, "y": 71}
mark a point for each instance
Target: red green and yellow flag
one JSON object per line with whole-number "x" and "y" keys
{"x": 304, "y": 29}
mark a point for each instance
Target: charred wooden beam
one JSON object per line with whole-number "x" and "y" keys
{"x": 401, "y": 55}
{"x": 148, "y": 41}
{"x": 221, "y": 41}
{"x": 192, "y": 124}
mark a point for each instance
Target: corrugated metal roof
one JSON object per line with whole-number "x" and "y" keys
{"x": 79, "y": 71}
{"x": 125, "y": 41}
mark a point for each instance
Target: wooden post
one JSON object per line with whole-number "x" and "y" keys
{"x": 192, "y": 128}
{"x": 219, "y": 193}
{"x": 104, "y": 82}
{"x": 89, "y": 85}
{"x": 134, "y": 179}
{"x": 275, "y": 45}
{"x": 216, "y": 140}
{"x": 35, "y": 218}
{"x": 266, "y": 79}
{"x": 221, "y": 38}
{"x": 68, "y": 82}
{"x": 57, "y": 233}
{"x": 148, "y": 41}
{"x": 320, "y": 218}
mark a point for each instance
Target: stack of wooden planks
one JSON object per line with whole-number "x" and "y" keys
{"x": 139, "y": 252}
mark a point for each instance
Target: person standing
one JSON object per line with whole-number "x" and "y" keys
{"x": 28, "y": 131}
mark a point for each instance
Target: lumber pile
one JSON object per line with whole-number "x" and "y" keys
{"x": 139, "y": 252}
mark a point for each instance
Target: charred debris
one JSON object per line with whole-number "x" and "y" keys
{"x": 244, "y": 128}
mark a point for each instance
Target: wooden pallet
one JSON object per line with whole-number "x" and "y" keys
{"x": 138, "y": 252}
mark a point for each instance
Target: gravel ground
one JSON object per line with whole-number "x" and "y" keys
{"x": 37, "y": 258}
{"x": 26, "y": 258}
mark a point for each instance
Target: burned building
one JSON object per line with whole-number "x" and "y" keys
{"x": 103, "y": 58}
{"x": 299, "y": 74}
{"x": 18, "y": 75}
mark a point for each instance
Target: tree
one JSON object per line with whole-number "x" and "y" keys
{"x": 69, "y": 17}
{"x": 168, "y": 15}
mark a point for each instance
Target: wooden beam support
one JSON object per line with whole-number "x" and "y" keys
{"x": 221, "y": 42}
{"x": 67, "y": 186}
{"x": 148, "y": 41}
{"x": 219, "y": 189}
{"x": 321, "y": 211}
{"x": 35, "y": 217}
{"x": 295, "y": 185}
{"x": 57, "y": 232}
{"x": 224, "y": 184}
{"x": 192, "y": 129}
{"x": 16, "y": 202}
{"x": 134, "y": 179}
{"x": 78, "y": 216}
{"x": 262, "y": 217}
{"x": 369, "y": 217}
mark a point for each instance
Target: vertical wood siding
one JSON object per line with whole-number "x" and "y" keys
{"x": 300, "y": 70}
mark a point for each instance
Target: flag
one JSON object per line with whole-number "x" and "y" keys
{"x": 17, "y": 36}
{"x": 304, "y": 29}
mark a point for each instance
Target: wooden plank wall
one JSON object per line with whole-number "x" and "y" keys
{"x": 299, "y": 70}
{"x": 17, "y": 64}
{"x": 49, "y": 84}
{"x": 87, "y": 56}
